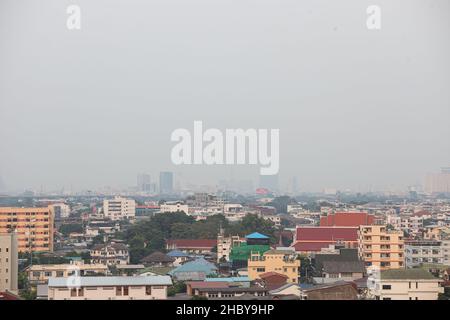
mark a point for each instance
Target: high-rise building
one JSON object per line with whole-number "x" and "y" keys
{"x": 34, "y": 227}
{"x": 381, "y": 248}
{"x": 119, "y": 208}
{"x": 166, "y": 182}
{"x": 143, "y": 182}
{"x": 438, "y": 182}
{"x": 8, "y": 262}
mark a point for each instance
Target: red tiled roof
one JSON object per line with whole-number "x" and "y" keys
{"x": 311, "y": 246}
{"x": 347, "y": 219}
{"x": 332, "y": 234}
{"x": 192, "y": 243}
{"x": 271, "y": 274}
{"x": 421, "y": 213}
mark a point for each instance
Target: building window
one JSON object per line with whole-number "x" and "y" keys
{"x": 386, "y": 287}
{"x": 73, "y": 292}
{"x": 260, "y": 269}
{"x": 118, "y": 291}
{"x": 125, "y": 290}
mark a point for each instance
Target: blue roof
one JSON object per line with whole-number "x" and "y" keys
{"x": 177, "y": 253}
{"x": 199, "y": 265}
{"x": 256, "y": 235}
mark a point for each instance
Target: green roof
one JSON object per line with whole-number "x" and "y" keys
{"x": 406, "y": 274}
{"x": 243, "y": 251}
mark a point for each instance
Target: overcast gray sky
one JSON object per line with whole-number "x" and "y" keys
{"x": 94, "y": 107}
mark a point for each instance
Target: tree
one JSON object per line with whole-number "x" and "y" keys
{"x": 281, "y": 203}
{"x": 67, "y": 229}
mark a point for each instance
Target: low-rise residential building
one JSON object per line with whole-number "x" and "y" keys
{"x": 109, "y": 288}
{"x": 8, "y": 262}
{"x": 158, "y": 259}
{"x": 340, "y": 290}
{"x": 39, "y": 274}
{"x": 179, "y": 257}
{"x": 410, "y": 224}
{"x": 333, "y": 271}
{"x": 254, "y": 243}
{"x": 407, "y": 284}
{"x": 198, "y": 269}
{"x": 220, "y": 291}
{"x": 110, "y": 254}
{"x": 174, "y": 207}
{"x": 380, "y": 247}
{"x": 423, "y": 252}
{"x": 280, "y": 261}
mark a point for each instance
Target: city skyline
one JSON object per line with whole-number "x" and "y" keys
{"x": 93, "y": 107}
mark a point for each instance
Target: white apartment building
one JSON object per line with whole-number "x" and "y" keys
{"x": 8, "y": 262}
{"x": 109, "y": 288}
{"x": 110, "y": 254}
{"x": 224, "y": 245}
{"x": 409, "y": 224}
{"x": 275, "y": 219}
{"x": 174, "y": 207}
{"x": 407, "y": 284}
{"x": 119, "y": 209}
{"x": 423, "y": 252}
{"x": 60, "y": 210}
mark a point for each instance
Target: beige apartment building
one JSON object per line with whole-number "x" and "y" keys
{"x": 8, "y": 262}
{"x": 39, "y": 274}
{"x": 109, "y": 288}
{"x": 380, "y": 247}
{"x": 407, "y": 284}
{"x": 119, "y": 209}
{"x": 34, "y": 227}
{"x": 284, "y": 262}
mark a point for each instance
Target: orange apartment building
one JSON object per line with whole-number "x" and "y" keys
{"x": 34, "y": 227}
{"x": 381, "y": 247}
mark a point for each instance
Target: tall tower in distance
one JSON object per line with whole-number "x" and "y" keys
{"x": 165, "y": 182}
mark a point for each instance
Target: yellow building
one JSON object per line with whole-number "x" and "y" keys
{"x": 284, "y": 262}
{"x": 381, "y": 248}
{"x": 33, "y": 226}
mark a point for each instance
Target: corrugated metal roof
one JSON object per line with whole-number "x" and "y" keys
{"x": 111, "y": 281}
{"x": 228, "y": 279}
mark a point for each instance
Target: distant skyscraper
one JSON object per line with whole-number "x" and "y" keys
{"x": 166, "y": 182}
{"x": 143, "y": 182}
{"x": 438, "y": 182}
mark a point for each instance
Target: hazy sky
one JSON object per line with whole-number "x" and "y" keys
{"x": 94, "y": 107}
